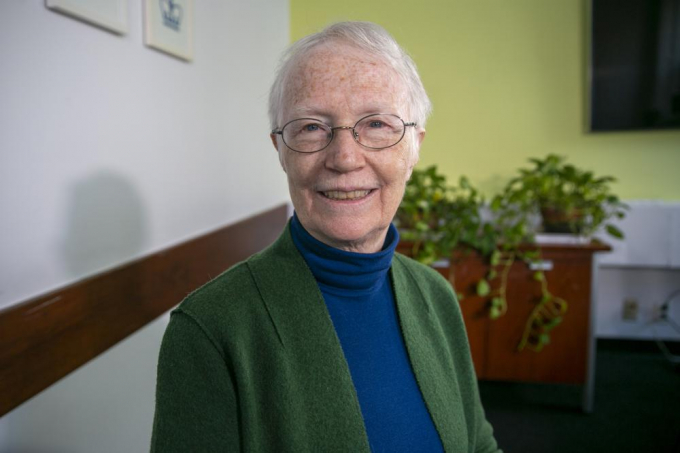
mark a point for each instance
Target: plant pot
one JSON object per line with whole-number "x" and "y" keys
{"x": 557, "y": 220}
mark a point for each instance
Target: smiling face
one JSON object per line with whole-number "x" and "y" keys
{"x": 346, "y": 195}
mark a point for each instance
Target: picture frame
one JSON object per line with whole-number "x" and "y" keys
{"x": 168, "y": 27}
{"x": 111, "y": 15}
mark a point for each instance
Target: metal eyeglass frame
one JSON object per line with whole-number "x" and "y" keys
{"x": 355, "y": 135}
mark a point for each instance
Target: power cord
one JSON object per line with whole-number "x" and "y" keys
{"x": 664, "y": 316}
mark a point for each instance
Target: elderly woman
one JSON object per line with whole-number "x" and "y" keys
{"x": 328, "y": 340}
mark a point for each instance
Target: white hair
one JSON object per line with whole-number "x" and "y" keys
{"x": 366, "y": 36}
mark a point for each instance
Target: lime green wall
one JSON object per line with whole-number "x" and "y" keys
{"x": 507, "y": 79}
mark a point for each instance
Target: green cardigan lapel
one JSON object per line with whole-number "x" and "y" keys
{"x": 430, "y": 357}
{"x": 306, "y": 331}
{"x": 298, "y": 312}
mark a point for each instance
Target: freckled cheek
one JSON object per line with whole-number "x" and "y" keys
{"x": 394, "y": 164}
{"x": 301, "y": 173}
{"x": 395, "y": 173}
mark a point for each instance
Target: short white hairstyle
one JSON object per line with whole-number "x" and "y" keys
{"x": 366, "y": 36}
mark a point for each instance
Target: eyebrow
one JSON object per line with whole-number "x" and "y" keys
{"x": 325, "y": 116}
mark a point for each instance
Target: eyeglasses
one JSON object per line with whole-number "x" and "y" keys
{"x": 376, "y": 131}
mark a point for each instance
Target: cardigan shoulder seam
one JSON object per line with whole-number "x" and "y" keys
{"x": 215, "y": 280}
{"x": 195, "y": 319}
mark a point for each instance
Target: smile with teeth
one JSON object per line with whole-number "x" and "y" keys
{"x": 351, "y": 195}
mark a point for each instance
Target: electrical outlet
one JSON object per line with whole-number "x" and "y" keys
{"x": 659, "y": 312}
{"x": 631, "y": 307}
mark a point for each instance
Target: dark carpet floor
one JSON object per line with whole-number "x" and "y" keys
{"x": 637, "y": 407}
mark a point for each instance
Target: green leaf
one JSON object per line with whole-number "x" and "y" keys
{"x": 483, "y": 288}
{"x": 612, "y": 230}
{"x": 539, "y": 276}
{"x": 422, "y": 226}
{"x": 495, "y": 258}
{"x": 530, "y": 255}
{"x": 460, "y": 295}
{"x": 494, "y": 313}
{"x": 553, "y": 323}
{"x": 492, "y": 274}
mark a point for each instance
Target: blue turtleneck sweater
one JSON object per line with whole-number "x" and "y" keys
{"x": 357, "y": 290}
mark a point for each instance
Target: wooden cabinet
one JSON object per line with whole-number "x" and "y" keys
{"x": 494, "y": 342}
{"x": 569, "y": 357}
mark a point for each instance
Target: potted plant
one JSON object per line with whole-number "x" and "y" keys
{"x": 434, "y": 218}
{"x": 568, "y": 199}
{"x": 437, "y": 221}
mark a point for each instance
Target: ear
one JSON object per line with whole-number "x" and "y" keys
{"x": 275, "y": 141}
{"x": 420, "y": 137}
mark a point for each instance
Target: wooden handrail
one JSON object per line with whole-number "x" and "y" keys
{"x": 44, "y": 339}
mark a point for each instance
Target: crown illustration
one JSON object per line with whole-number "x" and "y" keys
{"x": 172, "y": 13}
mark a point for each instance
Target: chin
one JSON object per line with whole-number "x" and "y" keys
{"x": 353, "y": 235}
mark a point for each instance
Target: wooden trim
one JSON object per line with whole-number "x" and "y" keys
{"x": 44, "y": 339}
{"x": 593, "y": 246}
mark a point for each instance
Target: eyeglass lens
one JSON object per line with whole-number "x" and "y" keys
{"x": 379, "y": 131}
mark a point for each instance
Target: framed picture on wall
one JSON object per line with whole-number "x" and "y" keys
{"x": 108, "y": 14}
{"x": 168, "y": 26}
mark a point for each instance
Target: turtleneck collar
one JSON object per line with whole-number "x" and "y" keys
{"x": 343, "y": 273}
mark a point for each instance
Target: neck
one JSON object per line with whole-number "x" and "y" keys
{"x": 344, "y": 272}
{"x": 371, "y": 244}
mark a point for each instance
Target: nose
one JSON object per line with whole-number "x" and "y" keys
{"x": 344, "y": 154}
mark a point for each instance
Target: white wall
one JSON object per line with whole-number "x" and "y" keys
{"x": 650, "y": 288}
{"x": 645, "y": 267}
{"x": 110, "y": 150}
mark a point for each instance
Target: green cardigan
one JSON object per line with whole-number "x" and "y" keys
{"x": 251, "y": 362}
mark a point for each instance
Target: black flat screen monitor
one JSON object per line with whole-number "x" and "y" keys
{"x": 634, "y": 65}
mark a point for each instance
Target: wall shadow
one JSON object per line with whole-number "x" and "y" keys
{"x": 106, "y": 224}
